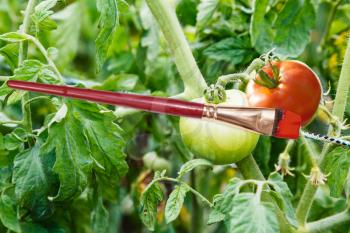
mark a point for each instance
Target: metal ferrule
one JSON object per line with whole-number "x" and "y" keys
{"x": 259, "y": 120}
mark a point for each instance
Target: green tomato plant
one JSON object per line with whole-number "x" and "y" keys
{"x": 73, "y": 166}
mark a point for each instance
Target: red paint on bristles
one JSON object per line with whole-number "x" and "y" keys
{"x": 288, "y": 126}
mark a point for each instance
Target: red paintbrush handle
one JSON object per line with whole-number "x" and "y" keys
{"x": 147, "y": 103}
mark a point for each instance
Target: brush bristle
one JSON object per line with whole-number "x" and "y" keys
{"x": 287, "y": 125}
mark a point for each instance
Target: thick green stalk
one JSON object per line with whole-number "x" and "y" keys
{"x": 24, "y": 28}
{"x": 27, "y": 115}
{"x": 338, "y": 111}
{"x": 327, "y": 223}
{"x": 165, "y": 15}
{"x": 343, "y": 87}
{"x": 250, "y": 169}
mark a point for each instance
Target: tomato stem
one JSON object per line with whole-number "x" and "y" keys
{"x": 329, "y": 222}
{"x": 225, "y": 79}
{"x": 43, "y": 51}
{"x": 192, "y": 190}
{"x": 23, "y": 48}
{"x": 191, "y": 75}
{"x": 310, "y": 148}
{"x": 307, "y": 197}
{"x": 250, "y": 169}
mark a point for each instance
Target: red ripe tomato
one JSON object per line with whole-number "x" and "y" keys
{"x": 295, "y": 87}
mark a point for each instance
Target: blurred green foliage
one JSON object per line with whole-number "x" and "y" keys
{"x": 69, "y": 174}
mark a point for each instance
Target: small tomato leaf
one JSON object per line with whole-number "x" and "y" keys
{"x": 41, "y": 15}
{"x": 337, "y": 166}
{"x": 175, "y": 202}
{"x": 30, "y": 70}
{"x": 108, "y": 22}
{"x": 223, "y": 202}
{"x": 13, "y": 37}
{"x": 15, "y": 139}
{"x": 192, "y": 164}
{"x": 10, "y": 52}
{"x": 149, "y": 202}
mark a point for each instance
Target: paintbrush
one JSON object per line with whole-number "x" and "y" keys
{"x": 268, "y": 121}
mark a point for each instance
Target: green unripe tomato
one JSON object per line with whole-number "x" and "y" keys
{"x": 219, "y": 142}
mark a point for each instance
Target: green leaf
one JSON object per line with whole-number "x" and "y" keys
{"x": 215, "y": 216}
{"x": 41, "y": 15}
{"x": 45, "y": 6}
{"x": 235, "y": 50}
{"x": 282, "y": 190}
{"x": 108, "y": 22}
{"x": 337, "y": 165}
{"x": 175, "y": 202}
{"x": 13, "y": 37}
{"x": 125, "y": 82}
{"x": 149, "y": 202}
{"x": 150, "y": 39}
{"x": 192, "y": 164}
{"x": 32, "y": 181}
{"x": 97, "y": 145}
{"x": 8, "y": 213}
{"x": 104, "y": 137}
{"x": 223, "y": 202}
{"x": 69, "y": 22}
{"x": 30, "y": 70}
{"x": 73, "y": 160}
{"x": 252, "y": 215}
{"x": 10, "y": 53}
{"x": 206, "y": 10}
{"x": 15, "y": 139}
{"x": 99, "y": 214}
{"x": 285, "y": 29}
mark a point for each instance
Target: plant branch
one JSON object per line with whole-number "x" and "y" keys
{"x": 23, "y": 50}
{"x": 24, "y": 28}
{"x": 328, "y": 222}
{"x": 338, "y": 111}
{"x": 193, "y": 80}
{"x": 195, "y": 192}
{"x": 250, "y": 169}
{"x": 43, "y": 51}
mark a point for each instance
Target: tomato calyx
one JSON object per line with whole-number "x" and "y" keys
{"x": 215, "y": 94}
{"x": 266, "y": 80}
